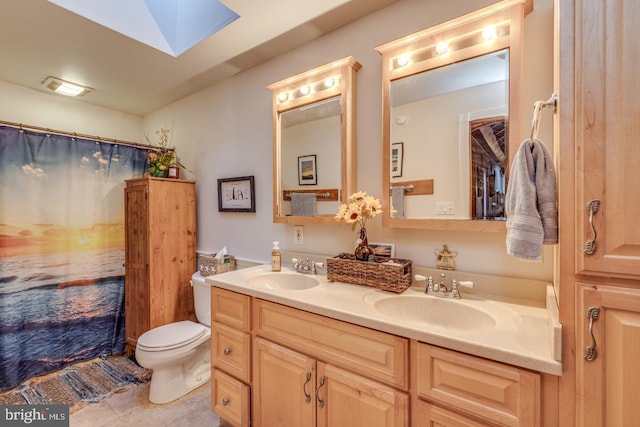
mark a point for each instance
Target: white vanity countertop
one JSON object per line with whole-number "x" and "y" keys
{"x": 520, "y": 336}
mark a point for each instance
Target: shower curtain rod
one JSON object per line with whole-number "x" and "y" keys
{"x": 80, "y": 135}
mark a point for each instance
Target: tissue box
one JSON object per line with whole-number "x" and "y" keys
{"x": 208, "y": 264}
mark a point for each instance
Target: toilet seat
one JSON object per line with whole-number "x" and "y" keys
{"x": 171, "y": 336}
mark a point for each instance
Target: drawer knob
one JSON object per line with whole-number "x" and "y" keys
{"x": 225, "y": 401}
{"x": 227, "y": 351}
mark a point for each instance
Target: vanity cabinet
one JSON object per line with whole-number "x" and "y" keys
{"x": 160, "y": 254}
{"x": 231, "y": 356}
{"x": 296, "y": 368}
{"x": 456, "y": 389}
{"x": 312, "y": 370}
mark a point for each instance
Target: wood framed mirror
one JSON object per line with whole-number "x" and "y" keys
{"x": 452, "y": 99}
{"x": 314, "y": 143}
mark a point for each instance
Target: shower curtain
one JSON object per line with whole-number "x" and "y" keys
{"x": 61, "y": 250}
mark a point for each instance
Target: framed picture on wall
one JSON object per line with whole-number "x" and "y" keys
{"x": 397, "y": 156}
{"x": 307, "y": 170}
{"x": 236, "y": 194}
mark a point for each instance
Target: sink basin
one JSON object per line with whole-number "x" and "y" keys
{"x": 434, "y": 312}
{"x": 286, "y": 281}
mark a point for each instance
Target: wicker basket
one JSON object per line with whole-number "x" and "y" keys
{"x": 208, "y": 264}
{"x": 387, "y": 274}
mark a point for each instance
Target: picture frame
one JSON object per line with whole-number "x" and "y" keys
{"x": 397, "y": 159}
{"x": 387, "y": 250}
{"x": 307, "y": 170}
{"x": 236, "y": 194}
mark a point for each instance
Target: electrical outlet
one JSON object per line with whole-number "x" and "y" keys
{"x": 445, "y": 208}
{"x": 298, "y": 236}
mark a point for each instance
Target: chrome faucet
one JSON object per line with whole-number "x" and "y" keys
{"x": 440, "y": 289}
{"x": 306, "y": 266}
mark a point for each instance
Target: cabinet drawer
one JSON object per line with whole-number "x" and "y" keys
{"x": 503, "y": 394}
{"x": 231, "y": 309}
{"x": 230, "y": 399}
{"x": 374, "y": 354}
{"x": 432, "y": 415}
{"x": 231, "y": 351}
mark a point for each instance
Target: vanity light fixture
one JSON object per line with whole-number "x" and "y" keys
{"x": 64, "y": 87}
{"x": 442, "y": 48}
{"x": 489, "y": 33}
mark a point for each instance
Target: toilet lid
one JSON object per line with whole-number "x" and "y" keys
{"x": 172, "y": 335}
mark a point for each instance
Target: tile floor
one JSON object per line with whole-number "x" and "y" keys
{"x": 132, "y": 408}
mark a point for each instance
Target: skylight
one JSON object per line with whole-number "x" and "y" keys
{"x": 171, "y": 26}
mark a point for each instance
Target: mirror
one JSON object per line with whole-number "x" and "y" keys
{"x": 314, "y": 143}
{"x": 451, "y": 97}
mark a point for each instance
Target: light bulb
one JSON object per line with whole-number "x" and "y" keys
{"x": 489, "y": 33}
{"x": 442, "y": 48}
{"x": 305, "y": 90}
{"x": 403, "y": 60}
{"x": 329, "y": 82}
{"x": 283, "y": 96}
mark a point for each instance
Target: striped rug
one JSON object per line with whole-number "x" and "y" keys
{"x": 79, "y": 384}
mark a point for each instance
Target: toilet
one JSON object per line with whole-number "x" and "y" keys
{"x": 179, "y": 353}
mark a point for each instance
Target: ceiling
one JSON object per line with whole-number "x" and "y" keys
{"x": 40, "y": 39}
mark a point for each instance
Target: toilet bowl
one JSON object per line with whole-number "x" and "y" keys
{"x": 179, "y": 353}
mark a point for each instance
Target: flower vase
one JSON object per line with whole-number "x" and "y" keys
{"x": 160, "y": 173}
{"x": 363, "y": 251}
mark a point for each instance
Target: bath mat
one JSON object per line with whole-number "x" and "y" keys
{"x": 79, "y": 384}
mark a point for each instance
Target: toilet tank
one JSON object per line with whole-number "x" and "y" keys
{"x": 201, "y": 298}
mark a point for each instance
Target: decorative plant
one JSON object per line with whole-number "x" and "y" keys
{"x": 359, "y": 208}
{"x": 164, "y": 156}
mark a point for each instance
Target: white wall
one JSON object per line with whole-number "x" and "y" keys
{"x": 226, "y": 131}
{"x": 21, "y": 105}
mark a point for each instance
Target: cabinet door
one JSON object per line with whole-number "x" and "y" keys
{"x": 346, "y": 399}
{"x": 136, "y": 279}
{"x": 283, "y": 387}
{"x": 607, "y": 108}
{"x": 607, "y": 386}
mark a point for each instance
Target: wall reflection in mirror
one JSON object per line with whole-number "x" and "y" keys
{"x": 446, "y": 120}
{"x": 311, "y": 156}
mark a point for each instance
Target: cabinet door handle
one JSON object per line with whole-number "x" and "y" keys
{"x": 590, "y": 352}
{"x": 320, "y": 401}
{"x": 590, "y": 245}
{"x": 227, "y": 351}
{"x": 225, "y": 401}
{"x": 307, "y": 396}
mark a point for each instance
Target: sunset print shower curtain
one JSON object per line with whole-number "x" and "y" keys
{"x": 61, "y": 250}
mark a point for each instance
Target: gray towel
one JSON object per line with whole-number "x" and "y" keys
{"x": 303, "y": 204}
{"x": 530, "y": 204}
{"x": 397, "y": 201}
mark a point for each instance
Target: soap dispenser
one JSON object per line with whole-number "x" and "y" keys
{"x": 276, "y": 258}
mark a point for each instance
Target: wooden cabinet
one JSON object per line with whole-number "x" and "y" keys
{"x": 607, "y": 386}
{"x": 296, "y": 368}
{"x": 607, "y": 58}
{"x": 311, "y": 369}
{"x": 160, "y": 253}
{"x": 231, "y": 356}
{"x": 597, "y": 58}
{"x": 471, "y": 388}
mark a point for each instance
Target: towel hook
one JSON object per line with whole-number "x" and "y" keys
{"x": 537, "y": 108}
